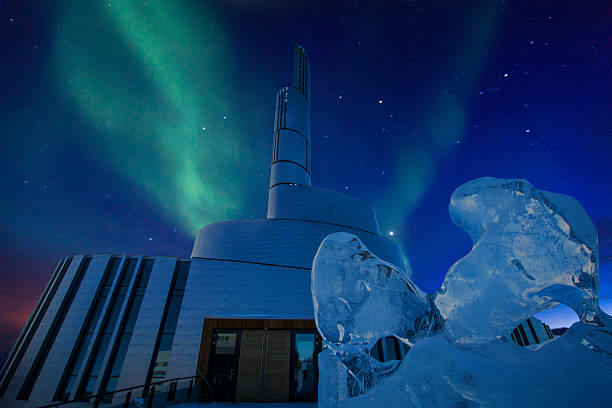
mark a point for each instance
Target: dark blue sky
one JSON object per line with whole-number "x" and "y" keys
{"x": 125, "y": 128}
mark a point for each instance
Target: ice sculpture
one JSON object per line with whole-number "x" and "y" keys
{"x": 532, "y": 250}
{"x": 360, "y": 299}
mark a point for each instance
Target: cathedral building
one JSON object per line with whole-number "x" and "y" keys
{"x": 234, "y": 321}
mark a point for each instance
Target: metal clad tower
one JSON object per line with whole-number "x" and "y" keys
{"x": 291, "y": 147}
{"x": 107, "y": 323}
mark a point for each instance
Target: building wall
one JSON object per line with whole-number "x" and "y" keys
{"x": 531, "y": 331}
{"x": 214, "y": 288}
{"x": 62, "y": 347}
{"x": 220, "y": 289}
{"x": 141, "y": 345}
{"x": 281, "y": 242}
{"x": 288, "y": 201}
{"x": 19, "y": 376}
{"x": 138, "y": 357}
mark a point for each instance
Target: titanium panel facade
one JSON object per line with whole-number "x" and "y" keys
{"x": 247, "y": 269}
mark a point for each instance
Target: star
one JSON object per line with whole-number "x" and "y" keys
{"x": 391, "y": 233}
{"x": 380, "y": 101}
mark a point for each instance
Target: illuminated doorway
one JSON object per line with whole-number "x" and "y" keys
{"x": 260, "y": 360}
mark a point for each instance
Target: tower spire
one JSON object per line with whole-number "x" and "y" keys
{"x": 291, "y": 145}
{"x": 301, "y": 71}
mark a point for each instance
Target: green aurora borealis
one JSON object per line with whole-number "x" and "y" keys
{"x": 155, "y": 81}
{"x": 129, "y": 125}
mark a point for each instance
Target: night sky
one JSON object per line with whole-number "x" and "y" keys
{"x": 127, "y": 126}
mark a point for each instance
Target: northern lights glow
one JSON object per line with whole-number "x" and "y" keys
{"x": 127, "y": 126}
{"x": 441, "y": 129}
{"x": 154, "y": 98}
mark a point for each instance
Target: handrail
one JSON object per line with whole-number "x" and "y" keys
{"x": 203, "y": 377}
{"x": 98, "y": 397}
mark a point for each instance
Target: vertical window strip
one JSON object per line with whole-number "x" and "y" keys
{"x": 277, "y": 119}
{"x": 75, "y": 360}
{"x": 281, "y": 97}
{"x": 548, "y": 332}
{"x": 118, "y": 353}
{"x": 277, "y": 138}
{"x": 280, "y": 109}
{"x": 165, "y": 335}
{"x": 535, "y": 337}
{"x": 56, "y": 324}
{"x": 275, "y": 147}
{"x": 518, "y": 338}
{"x": 284, "y": 108}
{"x": 301, "y": 71}
{"x": 380, "y": 350}
{"x": 308, "y": 157}
{"x": 523, "y": 334}
{"x": 398, "y": 350}
{"x": 102, "y": 342}
{"x": 306, "y": 76}
{"x": 26, "y": 334}
{"x": 33, "y": 315}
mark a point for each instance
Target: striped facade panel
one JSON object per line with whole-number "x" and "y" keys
{"x": 107, "y": 328}
{"x": 44, "y": 389}
{"x": 30, "y": 355}
{"x": 25, "y": 336}
{"x": 531, "y": 331}
{"x": 142, "y": 343}
{"x": 81, "y": 297}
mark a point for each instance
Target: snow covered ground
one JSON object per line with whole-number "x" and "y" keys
{"x": 249, "y": 404}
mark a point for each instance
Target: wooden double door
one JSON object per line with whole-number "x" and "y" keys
{"x": 260, "y": 359}
{"x": 263, "y": 373}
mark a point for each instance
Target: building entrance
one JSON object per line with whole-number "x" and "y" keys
{"x": 260, "y": 360}
{"x": 263, "y": 373}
